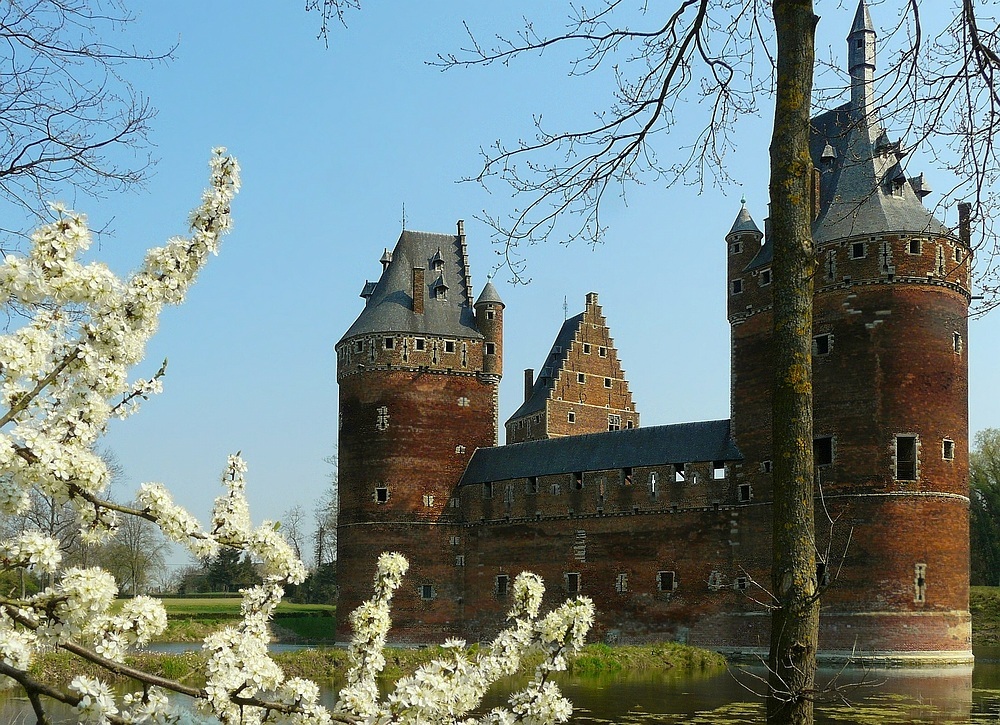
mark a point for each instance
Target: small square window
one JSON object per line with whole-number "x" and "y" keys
{"x": 426, "y": 591}
{"x": 607, "y": 382}
{"x": 629, "y": 424}
{"x": 381, "y": 494}
{"x": 503, "y": 583}
{"x": 765, "y": 466}
{"x": 581, "y": 378}
{"x": 389, "y": 343}
{"x": 460, "y": 560}
{"x": 490, "y": 314}
{"x": 571, "y": 417}
{"x": 913, "y": 247}
{"x": 455, "y": 540}
{"x": 736, "y": 286}
{"x": 765, "y": 277}
{"x": 419, "y": 343}
{"x": 822, "y": 344}
{"x": 857, "y": 250}
{"x": 449, "y": 346}
{"x": 948, "y": 450}
{"x": 746, "y": 493}
{"x": 736, "y": 248}
{"x": 666, "y": 581}
{"x": 718, "y": 470}
{"x": 490, "y": 348}
{"x": 572, "y": 582}
{"x": 823, "y": 451}
{"x": 741, "y": 583}
{"x": 586, "y": 348}
{"x": 602, "y": 351}
{"x": 359, "y": 346}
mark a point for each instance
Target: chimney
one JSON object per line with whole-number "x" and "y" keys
{"x": 461, "y": 228}
{"x": 965, "y": 223}
{"x": 815, "y": 193}
{"x": 418, "y": 290}
{"x": 529, "y": 383}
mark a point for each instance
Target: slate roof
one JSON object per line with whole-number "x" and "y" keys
{"x": 658, "y": 445}
{"x": 857, "y": 196}
{"x": 546, "y": 380}
{"x": 489, "y": 294}
{"x": 390, "y": 306}
{"x": 744, "y": 223}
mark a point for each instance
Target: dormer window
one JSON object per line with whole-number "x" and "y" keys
{"x": 437, "y": 261}
{"x": 440, "y": 289}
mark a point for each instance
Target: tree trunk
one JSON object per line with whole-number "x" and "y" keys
{"x": 795, "y": 620}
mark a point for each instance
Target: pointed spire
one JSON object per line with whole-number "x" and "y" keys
{"x": 861, "y": 62}
{"x": 744, "y": 223}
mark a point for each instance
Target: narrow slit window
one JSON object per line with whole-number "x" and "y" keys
{"x": 956, "y": 342}
{"x": 578, "y": 480}
{"x": 919, "y": 583}
{"x": 621, "y": 583}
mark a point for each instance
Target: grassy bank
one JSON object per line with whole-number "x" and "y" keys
{"x": 328, "y": 664}
{"x": 984, "y": 603}
{"x": 192, "y": 619}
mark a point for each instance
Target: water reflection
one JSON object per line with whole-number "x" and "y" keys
{"x": 958, "y": 696}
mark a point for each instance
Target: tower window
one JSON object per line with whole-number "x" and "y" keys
{"x": 426, "y": 591}
{"x": 948, "y": 449}
{"x": 652, "y": 484}
{"x": 571, "y": 417}
{"x": 736, "y": 248}
{"x": 389, "y": 343}
{"x": 906, "y": 458}
{"x": 602, "y": 351}
{"x": 718, "y": 470}
{"x": 958, "y": 254}
{"x": 745, "y": 493}
{"x": 736, "y": 286}
{"x": 381, "y": 494}
{"x": 572, "y": 582}
{"x": 614, "y": 421}
{"x": 490, "y": 314}
{"x": 822, "y": 344}
{"x": 823, "y": 451}
{"x": 488, "y": 489}
{"x": 913, "y": 246}
{"x": 581, "y": 378}
{"x": 382, "y": 418}
{"x": 858, "y": 250}
{"x": 490, "y": 348}
{"x": 621, "y": 583}
{"x": 765, "y": 466}
{"x": 956, "y": 342}
{"x": 419, "y": 343}
{"x": 919, "y": 583}
{"x": 502, "y": 584}
{"x": 765, "y": 277}
{"x": 666, "y": 581}
{"x": 449, "y": 346}
{"x": 607, "y": 382}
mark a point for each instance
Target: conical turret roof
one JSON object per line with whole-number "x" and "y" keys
{"x": 744, "y": 223}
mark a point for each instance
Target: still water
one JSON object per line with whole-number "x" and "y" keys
{"x": 941, "y": 696}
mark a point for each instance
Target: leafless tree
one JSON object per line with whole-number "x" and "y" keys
{"x": 331, "y": 11}
{"x": 135, "y": 555}
{"x": 327, "y": 508}
{"x": 68, "y": 114}
{"x": 293, "y": 523}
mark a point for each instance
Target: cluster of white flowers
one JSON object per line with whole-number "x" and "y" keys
{"x": 63, "y": 375}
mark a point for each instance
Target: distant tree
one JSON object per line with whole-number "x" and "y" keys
{"x": 230, "y": 571}
{"x": 327, "y": 509}
{"x": 293, "y": 528}
{"x": 134, "y": 555}
{"x": 984, "y": 523}
{"x": 68, "y": 113}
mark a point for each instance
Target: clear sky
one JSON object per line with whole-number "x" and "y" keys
{"x": 333, "y": 142}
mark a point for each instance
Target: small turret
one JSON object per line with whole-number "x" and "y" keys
{"x": 861, "y": 62}
{"x": 489, "y": 320}
{"x": 743, "y": 243}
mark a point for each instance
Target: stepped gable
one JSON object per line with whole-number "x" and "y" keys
{"x": 639, "y": 447}
{"x": 581, "y": 387}
{"x": 390, "y": 304}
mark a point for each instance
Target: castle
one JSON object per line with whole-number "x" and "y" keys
{"x": 668, "y": 528}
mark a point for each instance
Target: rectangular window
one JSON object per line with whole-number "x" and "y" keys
{"x": 428, "y": 499}
{"x": 715, "y": 581}
{"x": 621, "y": 583}
{"x": 736, "y": 248}
{"x": 652, "y": 484}
{"x": 765, "y": 277}
{"x": 426, "y": 591}
{"x": 958, "y": 254}
{"x": 490, "y": 314}
{"x": 449, "y": 346}
{"x": 581, "y": 378}
{"x": 578, "y": 480}
{"x": 914, "y": 246}
{"x": 503, "y": 582}
{"x": 460, "y": 560}
{"x": 741, "y": 583}
{"x": 532, "y": 484}
{"x": 607, "y": 382}
{"x": 919, "y": 583}
{"x": 571, "y": 417}
{"x": 858, "y": 250}
{"x": 455, "y": 503}
{"x": 586, "y": 348}
{"x": 490, "y": 348}
{"x": 948, "y": 449}
{"x": 746, "y": 493}
{"x": 602, "y": 351}
{"x": 823, "y": 450}
{"x": 718, "y": 470}
{"x": 906, "y": 458}
{"x": 389, "y": 343}
{"x": 736, "y": 286}
{"x": 956, "y": 342}
{"x": 627, "y": 476}
{"x": 614, "y": 421}
{"x": 381, "y": 494}
{"x": 765, "y": 466}
{"x": 455, "y": 540}
{"x": 419, "y": 343}
{"x": 556, "y": 489}
{"x": 680, "y": 474}
{"x": 572, "y": 582}
{"x": 822, "y": 344}
{"x": 359, "y": 346}
{"x": 488, "y": 490}
{"x": 666, "y": 581}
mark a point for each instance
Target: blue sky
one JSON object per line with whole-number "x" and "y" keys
{"x": 333, "y": 142}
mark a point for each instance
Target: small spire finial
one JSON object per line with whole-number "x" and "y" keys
{"x": 743, "y": 200}
{"x": 404, "y": 216}
{"x": 565, "y": 308}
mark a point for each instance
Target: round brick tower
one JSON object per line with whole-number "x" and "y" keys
{"x": 890, "y": 389}
{"x": 418, "y": 394}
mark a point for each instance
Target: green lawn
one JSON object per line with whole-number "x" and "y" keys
{"x": 191, "y": 619}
